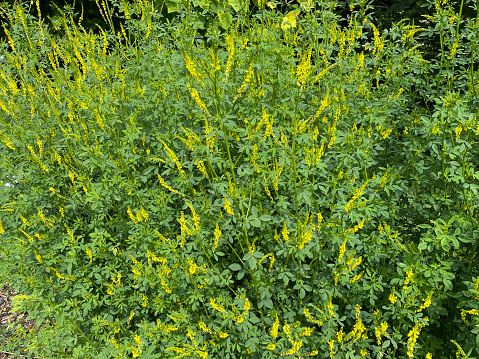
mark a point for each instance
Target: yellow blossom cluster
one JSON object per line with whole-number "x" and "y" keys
{"x": 356, "y": 195}
{"x": 413, "y": 335}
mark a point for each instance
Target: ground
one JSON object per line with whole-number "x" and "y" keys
{"x": 9, "y": 320}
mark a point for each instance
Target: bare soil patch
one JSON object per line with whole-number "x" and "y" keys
{"x": 9, "y": 320}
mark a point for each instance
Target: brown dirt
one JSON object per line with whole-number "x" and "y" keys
{"x": 10, "y": 319}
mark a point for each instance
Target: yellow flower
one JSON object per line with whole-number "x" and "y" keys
{"x": 201, "y": 166}
{"x": 330, "y": 308}
{"x": 274, "y": 328}
{"x": 304, "y": 68}
{"x": 227, "y": 206}
{"x": 196, "y": 219}
{"x": 289, "y": 20}
{"x": 249, "y": 76}
{"x": 392, "y": 297}
{"x": 271, "y": 346}
{"x": 216, "y": 306}
{"x": 331, "y": 348}
{"x": 458, "y": 131}
{"x": 198, "y": 100}
{"x": 217, "y": 236}
{"x": 88, "y": 252}
{"x": 307, "y": 332}
{"x": 163, "y": 183}
{"x": 426, "y": 304}
{"x": 407, "y": 279}
{"x": 358, "y": 193}
{"x": 285, "y": 232}
{"x": 413, "y": 335}
{"x": 190, "y": 65}
{"x": 294, "y": 349}
{"x": 339, "y": 335}
{"x": 342, "y": 250}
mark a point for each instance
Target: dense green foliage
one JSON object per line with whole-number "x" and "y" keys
{"x": 294, "y": 184}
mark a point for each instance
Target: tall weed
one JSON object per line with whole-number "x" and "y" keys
{"x": 284, "y": 185}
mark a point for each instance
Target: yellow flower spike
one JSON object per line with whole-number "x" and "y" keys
{"x": 163, "y": 183}
{"x": 287, "y": 331}
{"x": 331, "y": 349}
{"x": 285, "y": 232}
{"x": 201, "y": 166}
{"x": 266, "y": 189}
{"x": 198, "y": 100}
{"x": 342, "y": 250}
{"x": 324, "y": 104}
{"x": 130, "y": 214}
{"x": 426, "y": 304}
{"x": 276, "y": 236}
{"x": 413, "y": 336}
{"x": 204, "y": 328}
{"x": 38, "y": 257}
{"x": 190, "y": 65}
{"x": 308, "y": 331}
{"x": 173, "y": 157}
{"x": 210, "y": 139}
{"x": 294, "y": 349}
{"x": 246, "y": 307}
{"x": 216, "y": 306}
{"x": 409, "y": 274}
{"x": 88, "y": 252}
{"x": 289, "y": 21}
{"x": 274, "y": 328}
{"x": 330, "y": 308}
{"x": 304, "y": 68}
{"x": 356, "y": 263}
{"x": 144, "y": 214}
{"x": 227, "y": 206}
{"x": 392, "y": 297}
{"x": 458, "y": 131}
{"x": 358, "y": 194}
{"x": 230, "y": 41}
{"x": 132, "y": 314}
{"x": 356, "y": 278}
{"x": 196, "y": 219}
{"x": 217, "y": 235}
{"x": 249, "y": 76}
{"x": 139, "y": 217}
{"x": 476, "y": 288}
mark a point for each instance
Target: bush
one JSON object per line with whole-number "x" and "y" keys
{"x": 286, "y": 187}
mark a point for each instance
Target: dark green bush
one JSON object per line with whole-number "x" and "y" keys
{"x": 281, "y": 186}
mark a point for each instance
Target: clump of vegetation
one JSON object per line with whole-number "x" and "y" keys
{"x": 277, "y": 183}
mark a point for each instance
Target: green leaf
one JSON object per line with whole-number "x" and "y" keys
{"x": 422, "y": 246}
{"x": 235, "y": 267}
{"x": 225, "y": 19}
{"x": 235, "y": 4}
{"x": 255, "y": 222}
{"x": 447, "y": 284}
{"x": 265, "y": 218}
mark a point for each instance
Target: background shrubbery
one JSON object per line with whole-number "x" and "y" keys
{"x": 288, "y": 182}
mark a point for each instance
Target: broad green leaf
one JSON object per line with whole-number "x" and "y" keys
{"x": 225, "y": 19}
{"x": 235, "y": 267}
{"x": 235, "y": 4}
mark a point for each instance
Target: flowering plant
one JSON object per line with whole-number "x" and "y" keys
{"x": 269, "y": 188}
